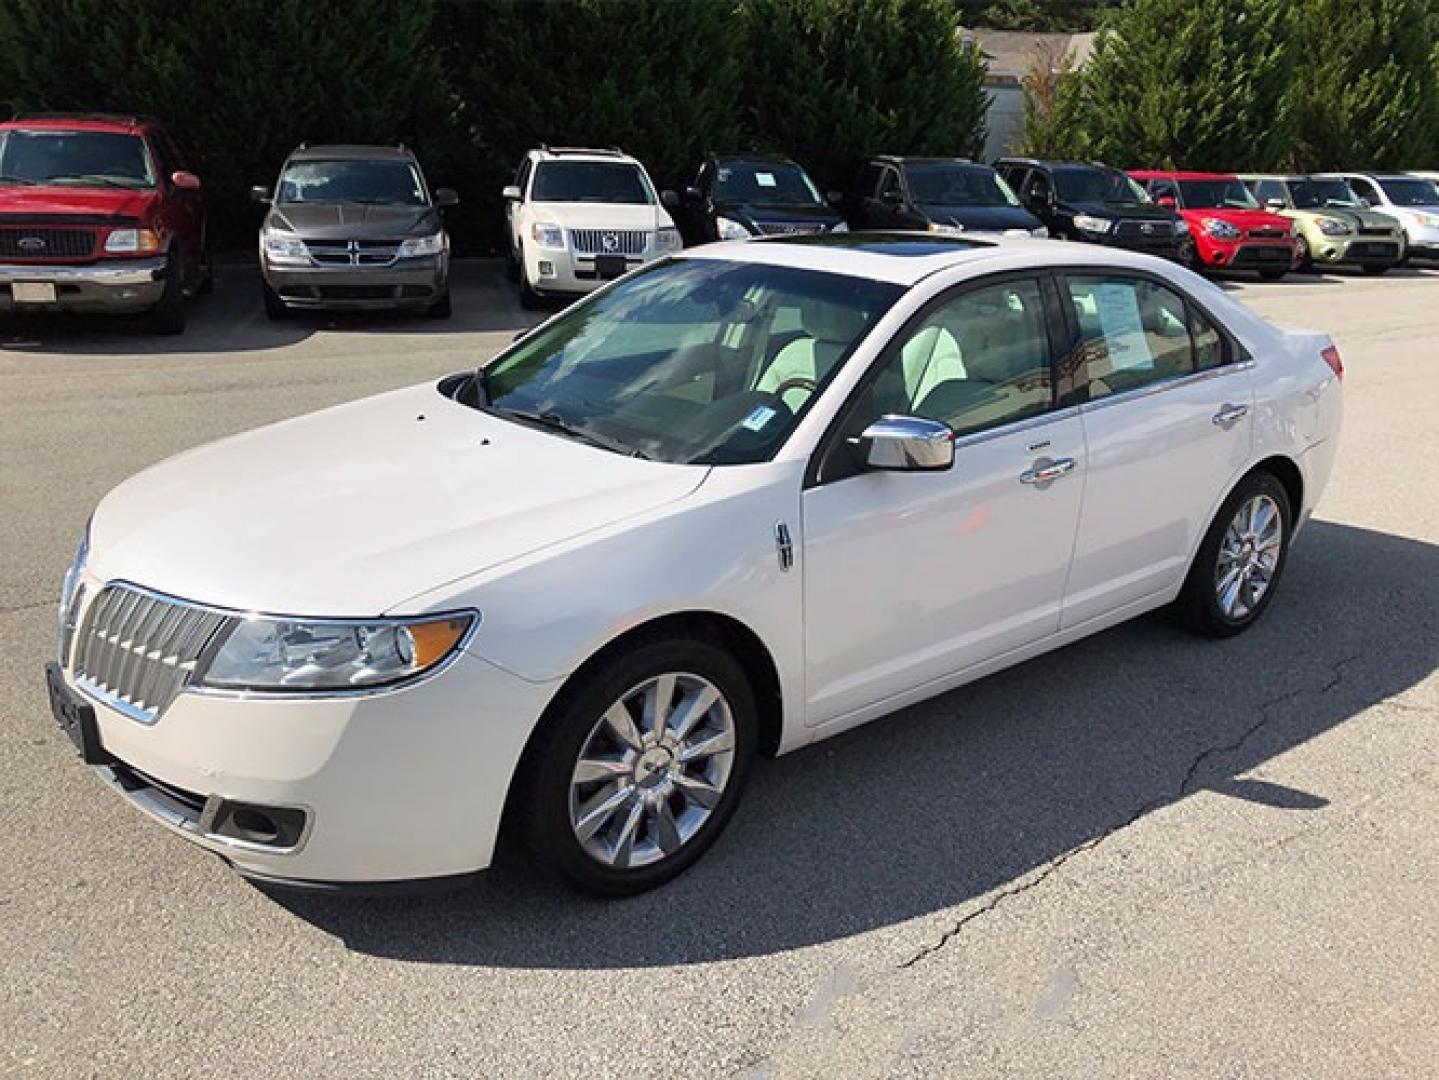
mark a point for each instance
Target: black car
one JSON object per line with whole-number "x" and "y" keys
{"x": 944, "y": 195}
{"x": 354, "y": 227}
{"x": 736, "y": 196}
{"x": 1097, "y": 204}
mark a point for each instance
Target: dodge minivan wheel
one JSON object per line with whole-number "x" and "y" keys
{"x": 1238, "y": 565}
{"x": 640, "y": 767}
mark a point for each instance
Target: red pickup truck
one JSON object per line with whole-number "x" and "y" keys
{"x": 1229, "y": 229}
{"x": 99, "y": 214}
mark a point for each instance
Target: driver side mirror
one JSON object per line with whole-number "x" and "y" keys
{"x": 834, "y": 198}
{"x": 185, "y": 180}
{"x": 446, "y": 198}
{"x": 511, "y": 192}
{"x": 670, "y": 200}
{"x": 1166, "y": 201}
{"x": 260, "y": 194}
{"x": 905, "y": 444}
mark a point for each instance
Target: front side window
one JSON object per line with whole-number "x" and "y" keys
{"x": 1321, "y": 194}
{"x": 946, "y": 184}
{"x": 974, "y": 362}
{"x": 384, "y": 183}
{"x": 766, "y": 184}
{"x": 590, "y": 181}
{"x": 697, "y": 361}
{"x": 1134, "y": 332}
{"x": 1414, "y": 192}
{"x": 1092, "y": 184}
{"x": 82, "y": 158}
{"x": 1216, "y": 195}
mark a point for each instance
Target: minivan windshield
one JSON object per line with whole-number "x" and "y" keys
{"x": 1317, "y": 194}
{"x": 1216, "y": 195}
{"x": 1093, "y": 184}
{"x": 590, "y": 181}
{"x": 765, "y": 183}
{"x": 1414, "y": 192}
{"x": 695, "y": 361}
{"x": 385, "y": 183}
{"x": 953, "y": 184}
{"x": 82, "y": 158}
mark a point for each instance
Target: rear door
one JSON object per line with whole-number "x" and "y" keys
{"x": 1165, "y": 401}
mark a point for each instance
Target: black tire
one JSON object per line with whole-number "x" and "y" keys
{"x": 529, "y": 299}
{"x": 1197, "y": 607}
{"x": 1304, "y": 258}
{"x": 1273, "y": 273}
{"x": 441, "y": 308}
{"x": 1377, "y": 269}
{"x": 512, "y": 265}
{"x": 168, "y": 316}
{"x": 275, "y": 308}
{"x": 207, "y": 272}
{"x": 540, "y": 809}
{"x": 1189, "y": 257}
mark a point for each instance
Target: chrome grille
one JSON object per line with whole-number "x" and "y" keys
{"x": 353, "y": 252}
{"x": 137, "y": 650}
{"x": 23, "y": 242}
{"x": 779, "y": 228}
{"x": 1144, "y": 230}
{"x": 609, "y": 241}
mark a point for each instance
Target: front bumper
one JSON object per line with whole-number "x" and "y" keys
{"x": 1247, "y": 254}
{"x": 114, "y": 286}
{"x": 401, "y": 786}
{"x": 1165, "y": 247}
{"x": 406, "y": 283}
{"x": 567, "y": 273}
{"x": 1356, "y": 248}
{"x": 1423, "y": 241}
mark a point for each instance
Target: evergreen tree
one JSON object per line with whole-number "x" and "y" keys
{"x": 1366, "y": 94}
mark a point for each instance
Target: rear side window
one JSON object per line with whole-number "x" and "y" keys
{"x": 1134, "y": 332}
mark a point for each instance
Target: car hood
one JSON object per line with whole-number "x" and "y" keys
{"x": 1124, "y": 211}
{"x": 582, "y": 215}
{"x": 353, "y": 510}
{"x": 70, "y": 201}
{"x": 750, "y": 214}
{"x": 1365, "y": 218}
{"x": 981, "y": 218}
{"x": 1240, "y": 219}
{"x": 353, "y": 221}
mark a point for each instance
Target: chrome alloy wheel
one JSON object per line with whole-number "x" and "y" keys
{"x": 1248, "y": 556}
{"x": 652, "y": 770}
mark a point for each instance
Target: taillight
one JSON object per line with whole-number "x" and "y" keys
{"x": 1331, "y": 357}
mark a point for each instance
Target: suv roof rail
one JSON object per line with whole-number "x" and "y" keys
{"x": 558, "y": 151}
{"x": 119, "y": 118}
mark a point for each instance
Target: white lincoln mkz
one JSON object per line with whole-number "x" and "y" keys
{"x": 736, "y": 502}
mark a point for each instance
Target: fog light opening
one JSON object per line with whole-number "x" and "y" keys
{"x": 279, "y": 827}
{"x": 547, "y": 268}
{"x": 254, "y": 825}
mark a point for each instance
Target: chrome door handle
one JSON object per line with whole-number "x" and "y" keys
{"x": 1229, "y": 414}
{"x": 1043, "y": 474}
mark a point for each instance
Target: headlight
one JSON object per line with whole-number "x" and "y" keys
{"x": 1087, "y": 223}
{"x": 284, "y": 248}
{"x": 945, "y": 230}
{"x": 1042, "y": 232}
{"x": 729, "y": 229}
{"x": 1429, "y": 221}
{"x": 1015, "y": 232}
{"x": 548, "y": 236}
{"x": 1220, "y": 230}
{"x": 132, "y": 242}
{"x": 1333, "y": 226}
{"x": 262, "y": 653}
{"x": 667, "y": 239}
{"x": 72, "y": 581}
{"x": 416, "y": 246}
{"x": 841, "y": 227}
{"x": 1181, "y": 227}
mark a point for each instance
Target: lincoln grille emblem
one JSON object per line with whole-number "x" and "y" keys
{"x": 31, "y": 243}
{"x": 610, "y": 242}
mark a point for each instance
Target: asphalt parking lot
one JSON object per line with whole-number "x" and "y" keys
{"x": 1144, "y": 855}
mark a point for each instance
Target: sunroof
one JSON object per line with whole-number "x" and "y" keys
{"x": 903, "y": 245}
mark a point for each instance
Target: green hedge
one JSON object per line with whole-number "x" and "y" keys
{"x": 472, "y": 85}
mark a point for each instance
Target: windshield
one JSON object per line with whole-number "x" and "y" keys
{"x": 697, "y": 361}
{"x": 1216, "y": 195}
{"x": 1317, "y": 194}
{"x": 590, "y": 181}
{"x": 388, "y": 183}
{"x": 1411, "y": 192}
{"x": 1091, "y": 184}
{"x": 765, "y": 184}
{"x": 946, "y": 184}
{"x": 98, "y": 158}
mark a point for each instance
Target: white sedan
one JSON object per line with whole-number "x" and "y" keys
{"x": 736, "y": 502}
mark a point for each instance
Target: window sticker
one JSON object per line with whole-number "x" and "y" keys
{"x": 722, "y": 175}
{"x": 1122, "y": 325}
{"x": 761, "y": 416}
{"x": 764, "y": 179}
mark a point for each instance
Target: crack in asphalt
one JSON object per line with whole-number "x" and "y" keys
{"x": 1208, "y": 754}
{"x": 26, "y": 607}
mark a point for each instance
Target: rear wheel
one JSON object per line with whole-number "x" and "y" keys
{"x": 638, "y": 768}
{"x": 1239, "y": 563}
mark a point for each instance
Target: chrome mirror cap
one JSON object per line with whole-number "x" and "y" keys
{"x": 906, "y": 444}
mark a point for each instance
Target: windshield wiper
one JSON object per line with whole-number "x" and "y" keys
{"x": 8, "y": 178}
{"x": 109, "y": 181}
{"x": 553, "y": 421}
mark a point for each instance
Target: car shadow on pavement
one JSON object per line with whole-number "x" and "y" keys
{"x": 943, "y": 802}
{"x": 232, "y": 319}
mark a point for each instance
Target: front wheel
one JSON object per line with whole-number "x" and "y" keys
{"x": 1273, "y": 273}
{"x": 1238, "y": 565}
{"x": 1303, "y": 258}
{"x": 1376, "y": 269}
{"x": 441, "y": 308}
{"x": 168, "y": 316}
{"x": 639, "y": 766}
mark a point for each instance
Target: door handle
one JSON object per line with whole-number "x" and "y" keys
{"x": 1043, "y": 474}
{"x": 1229, "y": 414}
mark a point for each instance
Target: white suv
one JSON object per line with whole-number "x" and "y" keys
{"x": 578, "y": 218}
{"x": 1412, "y": 200}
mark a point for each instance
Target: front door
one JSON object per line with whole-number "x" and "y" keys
{"x": 911, "y": 577}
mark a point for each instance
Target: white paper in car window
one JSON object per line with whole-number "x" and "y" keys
{"x": 1119, "y": 318}
{"x": 764, "y": 179}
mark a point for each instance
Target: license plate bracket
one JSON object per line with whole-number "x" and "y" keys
{"x": 32, "y": 292}
{"x": 75, "y": 717}
{"x": 609, "y": 267}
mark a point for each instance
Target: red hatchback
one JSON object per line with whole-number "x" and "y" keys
{"x": 1229, "y": 230}
{"x": 99, "y": 214}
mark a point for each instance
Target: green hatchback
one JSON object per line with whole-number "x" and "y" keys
{"x": 1333, "y": 226}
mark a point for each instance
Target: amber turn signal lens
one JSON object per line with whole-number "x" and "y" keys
{"x": 433, "y": 641}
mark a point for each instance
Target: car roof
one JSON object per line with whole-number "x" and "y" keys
{"x": 1283, "y": 178}
{"x": 350, "y": 152}
{"x": 1369, "y": 175}
{"x": 1179, "y": 174}
{"x": 112, "y": 122}
{"x": 905, "y": 258}
{"x": 769, "y": 159}
{"x": 582, "y": 153}
{"x": 905, "y": 159}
